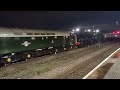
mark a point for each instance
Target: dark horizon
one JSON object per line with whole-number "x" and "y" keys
{"x": 56, "y": 19}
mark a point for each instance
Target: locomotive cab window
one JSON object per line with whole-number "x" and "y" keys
{"x": 47, "y": 33}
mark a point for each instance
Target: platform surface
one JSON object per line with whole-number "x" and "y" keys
{"x": 114, "y": 72}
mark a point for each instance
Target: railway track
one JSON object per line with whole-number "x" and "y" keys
{"x": 80, "y": 71}
{"x": 37, "y": 67}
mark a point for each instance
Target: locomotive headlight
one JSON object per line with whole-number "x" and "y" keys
{"x": 9, "y": 60}
{"x": 28, "y": 55}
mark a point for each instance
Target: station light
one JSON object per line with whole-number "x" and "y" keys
{"x": 89, "y": 30}
{"x": 93, "y": 31}
{"x": 77, "y": 29}
{"x": 117, "y": 23}
{"x": 85, "y": 30}
{"x": 97, "y": 30}
{"x": 73, "y": 30}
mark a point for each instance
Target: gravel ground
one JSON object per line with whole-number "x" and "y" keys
{"x": 87, "y": 66}
{"x": 38, "y": 68}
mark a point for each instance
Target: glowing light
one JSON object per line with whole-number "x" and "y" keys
{"x": 77, "y": 29}
{"x": 28, "y": 55}
{"x": 9, "y": 60}
{"x": 89, "y": 30}
{"x": 13, "y": 53}
{"x": 77, "y": 43}
{"x": 73, "y": 30}
{"x": 97, "y": 30}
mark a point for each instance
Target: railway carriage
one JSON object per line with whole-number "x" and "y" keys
{"x": 113, "y": 36}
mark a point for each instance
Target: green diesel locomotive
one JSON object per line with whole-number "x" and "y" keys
{"x": 23, "y": 44}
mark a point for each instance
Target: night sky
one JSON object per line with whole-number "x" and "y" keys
{"x": 56, "y": 19}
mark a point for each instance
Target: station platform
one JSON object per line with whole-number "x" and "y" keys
{"x": 114, "y": 71}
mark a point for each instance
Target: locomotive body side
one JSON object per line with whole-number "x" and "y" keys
{"x": 21, "y": 44}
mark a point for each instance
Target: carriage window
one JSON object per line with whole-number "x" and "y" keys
{"x": 47, "y": 33}
{"x": 29, "y": 33}
{"x": 42, "y": 33}
{"x": 36, "y": 34}
{"x": 16, "y": 33}
{"x": 52, "y": 33}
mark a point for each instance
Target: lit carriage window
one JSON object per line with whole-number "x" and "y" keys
{"x": 36, "y": 34}
{"x": 56, "y": 37}
{"x": 29, "y": 33}
{"x": 52, "y": 33}
{"x": 32, "y": 38}
{"x": 47, "y": 33}
{"x": 42, "y": 33}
